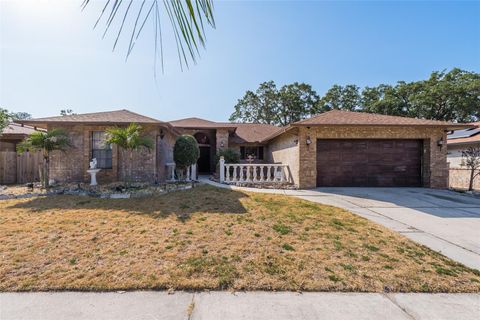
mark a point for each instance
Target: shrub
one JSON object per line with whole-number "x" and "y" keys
{"x": 185, "y": 151}
{"x": 230, "y": 155}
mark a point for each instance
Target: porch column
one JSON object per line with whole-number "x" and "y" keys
{"x": 222, "y": 139}
{"x": 307, "y": 142}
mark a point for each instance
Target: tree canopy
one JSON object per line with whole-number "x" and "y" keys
{"x": 269, "y": 105}
{"x": 448, "y": 96}
{"x": 6, "y": 117}
{"x": 67, "y": 112}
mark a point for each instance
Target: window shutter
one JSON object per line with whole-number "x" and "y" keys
{"x": 242, "y": 152}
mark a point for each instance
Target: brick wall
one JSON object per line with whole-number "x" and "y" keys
{"x": 143, "y": 162}
{"x": 221, "y": 137}
{"x": 69, "y": 165}
{"x": 434, "y": 168}
{"x": 460, "y": 179}
{"x": 72, "y": 165}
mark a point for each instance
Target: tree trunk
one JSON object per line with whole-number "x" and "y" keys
{"x": 124, "y": 167}
{"x": 46, "y": 167}
{"x": 130, "y": 165}
{"x": 472, "y": 176}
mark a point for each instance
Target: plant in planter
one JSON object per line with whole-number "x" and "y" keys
{"x": 185, "y": 153}
{"x": 129, "y": 139}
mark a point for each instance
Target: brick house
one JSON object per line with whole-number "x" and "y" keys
{"x": 336, "y": 148}
{"x": 458, "y": 141}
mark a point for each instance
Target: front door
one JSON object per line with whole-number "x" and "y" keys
{"x": 203, "y": 162}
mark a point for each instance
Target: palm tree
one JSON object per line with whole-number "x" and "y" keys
{"x": 129, "y": 139}
{"x": 55, "y": 139}
{"x": 187, "y": 18}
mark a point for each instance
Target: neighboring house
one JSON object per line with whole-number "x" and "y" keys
{"x": 16, "y": 168}
{"x": 336, "y": 148}
{"x": 457, "y": 142}
{"x": 12, "y": 135}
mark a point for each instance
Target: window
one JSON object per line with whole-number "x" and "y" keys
{"x": 101, "y": 150}
{"x": 256, "y": 152}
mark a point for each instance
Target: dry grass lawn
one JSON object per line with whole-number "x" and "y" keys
{"x": 211, "y": 238}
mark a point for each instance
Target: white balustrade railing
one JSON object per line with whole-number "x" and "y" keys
{"x": 255, "y": 173}
{"x": 191, "y": 172}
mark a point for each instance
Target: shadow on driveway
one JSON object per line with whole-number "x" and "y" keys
{"x": 439, "y": 203}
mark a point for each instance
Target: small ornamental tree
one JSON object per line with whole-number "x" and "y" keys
{"x": 55, "y": 139}
{"x": 129, "y": 139}
{"x": 471, "y": 160}
{"x": 185, "y": 152}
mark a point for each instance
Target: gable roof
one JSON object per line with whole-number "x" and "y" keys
{"x": 467, "y": 136}
{"x": 253, "y": 132}
{"x": 107, "y": 117}
{"x": 352, "y": 118}
{"x": 17, "y": 129}
{"x": 199, "y": 123}
{"x": 241, "y": 132}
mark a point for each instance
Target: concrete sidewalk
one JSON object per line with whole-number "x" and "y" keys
{"x": 443, "y": 220}
{"x": 142, "y": 305}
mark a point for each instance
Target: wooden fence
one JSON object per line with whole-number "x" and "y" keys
{"x": 20, "y": 168}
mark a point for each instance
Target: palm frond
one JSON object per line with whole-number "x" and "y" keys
{"x": 187, "y": 19}
{"x": 55, "y": 139}
{"x": 129, "y": 138}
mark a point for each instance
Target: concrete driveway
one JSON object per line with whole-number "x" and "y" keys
{"x": 443, "y": 220}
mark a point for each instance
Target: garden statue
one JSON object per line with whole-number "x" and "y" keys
{"x": 93, "y": 163}
{"x": 93, "y": 172}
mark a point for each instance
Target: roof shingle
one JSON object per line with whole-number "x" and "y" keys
{"x": 338, "y": 117}
{"x": 17, "y": 129}
{"x": 253, "y": 132}
{"x": 108, "y": 117}
{"x": 244, "y": 132}
{"x": 200, "y": 123}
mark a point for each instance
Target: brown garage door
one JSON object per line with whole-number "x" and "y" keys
{"x": 369, "y": 163}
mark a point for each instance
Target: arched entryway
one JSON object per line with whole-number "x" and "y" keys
{"x": 203, "y": 163}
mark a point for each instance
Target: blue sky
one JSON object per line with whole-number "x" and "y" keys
{"x": 51, "y": 59}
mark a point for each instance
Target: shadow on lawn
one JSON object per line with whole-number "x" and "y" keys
{"x": 202, "y": 199}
